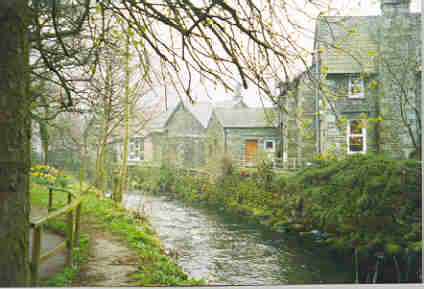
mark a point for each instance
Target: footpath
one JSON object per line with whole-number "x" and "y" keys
{"x": 56, "y": 263}
{"x": 109, "y": 264}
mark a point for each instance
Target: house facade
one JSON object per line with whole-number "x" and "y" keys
{"x": 363, "y": 91}
{"x": 185, "y": 131}
{"x": 246, "y": 134}
{"x": 194, "y": 135}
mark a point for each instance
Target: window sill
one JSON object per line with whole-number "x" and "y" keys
{"x": 353, "y": 153}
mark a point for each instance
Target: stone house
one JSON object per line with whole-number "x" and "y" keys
{"x": 243, "y": 133}
{"x": 194, "y": 134}
{"x": 185, "y": 132}
{"x": 363, "y": 91}
{"x": 144, "y": 142}
{"x": 176, "y": 135}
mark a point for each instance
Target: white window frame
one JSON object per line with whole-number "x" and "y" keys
{"x": 362, "y": 134}
{"x": 356, "y": 80}
{"x": 136, "y": 144}
{"x": 273, "y": 145}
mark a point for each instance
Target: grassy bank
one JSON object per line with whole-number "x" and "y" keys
{"x": 366, "y": 208}
{"x": 134, "y": 230}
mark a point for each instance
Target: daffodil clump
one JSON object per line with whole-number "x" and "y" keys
{"x": 48, "y": 176}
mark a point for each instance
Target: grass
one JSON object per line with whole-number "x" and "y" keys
{"x": 39, "y": 195}
{"x": 155, "y": 267}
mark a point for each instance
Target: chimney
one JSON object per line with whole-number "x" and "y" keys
{"x": 237, "y": 93}
{"x": 394, "y": 7}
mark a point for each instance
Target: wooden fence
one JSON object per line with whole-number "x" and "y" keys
{"x": 72, "y": 232}
{"x": 291, "y": 164}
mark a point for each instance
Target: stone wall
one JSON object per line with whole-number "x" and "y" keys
{"x": 183, "y": 141}
{"x": 400, "y": 79}
{"x": 392, "y": 91}
{"x": 236, "y": 140}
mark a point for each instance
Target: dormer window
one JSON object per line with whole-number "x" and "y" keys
{"x": 356, "y": 86}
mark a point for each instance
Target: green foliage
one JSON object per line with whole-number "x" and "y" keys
{"x": 364, "y": 202}
{"x": 156, "y": 268}
{"x": 62, "y": 279}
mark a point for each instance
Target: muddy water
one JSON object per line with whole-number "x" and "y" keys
{"x": 227, "y": 251}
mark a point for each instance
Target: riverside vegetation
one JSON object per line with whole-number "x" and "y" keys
{"x": 155, "y": 267}
{"x": 364, "y": 208}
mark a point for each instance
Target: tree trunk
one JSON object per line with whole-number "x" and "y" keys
{"x": 15, "y": 141}
{"x": 44, "y": 135}
{"x": 107, "y": 108}
{"x": 123, "y": 176}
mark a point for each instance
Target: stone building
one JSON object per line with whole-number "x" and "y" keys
{"x": 363, "y": 91}
{"x": 243, "y": 134}
{"x": 193, "y": 135}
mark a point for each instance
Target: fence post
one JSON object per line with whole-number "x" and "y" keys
{"x": 36, "y": 253}
{"x": 403, "y": 177}
{"x": 69, "y": 198}
{"x": 49, "y": 208}
{"x": 77, "y": 225}
{"x": 70, "y": 222}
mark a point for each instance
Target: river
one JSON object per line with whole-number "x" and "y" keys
{"x": 224, "y": 250}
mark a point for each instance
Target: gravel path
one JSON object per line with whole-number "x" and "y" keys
{"x": 110, "y": 262}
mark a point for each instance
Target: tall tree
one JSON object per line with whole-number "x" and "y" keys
{"x": 15, "y": 143}
{"x": 212, "y": 38}
{"x": 123, "y": 175}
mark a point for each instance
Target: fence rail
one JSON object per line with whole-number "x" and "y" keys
{"x": 292, "y": 164}
{"x": 72, "y": 232}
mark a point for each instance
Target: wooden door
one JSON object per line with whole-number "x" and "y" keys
{"x": 251, "y": 149}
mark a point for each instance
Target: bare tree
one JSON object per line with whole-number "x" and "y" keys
{"x": 53, "y": 40}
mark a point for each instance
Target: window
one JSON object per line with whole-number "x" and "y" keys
{"x": 356, "y": 86}
{"x": 331, "y": 83}
{"x": 356, "y": 137}
{"x": 136, "y": 149}
{"x": 269, "y": 146}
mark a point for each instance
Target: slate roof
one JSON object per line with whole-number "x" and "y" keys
{"x": 159, "y": 123}
{"x": 344, "y": 41}
{"x": 243, "y": 117}
{"x": 202, "y": 111}
{"x": 233, "y": 103}
{"x": 247, "y": 117}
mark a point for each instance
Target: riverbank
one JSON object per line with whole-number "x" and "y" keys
{"x": 363, "y": 208}
{"x": 227, "y": 249}
{"x": 117, "y": 248}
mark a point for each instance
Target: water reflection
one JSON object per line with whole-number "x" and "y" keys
{"x": 225, "y": 251}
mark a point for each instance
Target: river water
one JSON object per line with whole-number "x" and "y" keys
{"x": 227, "y": 251}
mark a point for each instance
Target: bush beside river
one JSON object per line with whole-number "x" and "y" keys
{"x": 365, "y": 208}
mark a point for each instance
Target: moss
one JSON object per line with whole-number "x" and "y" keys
{"x": 358, "y": 201}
